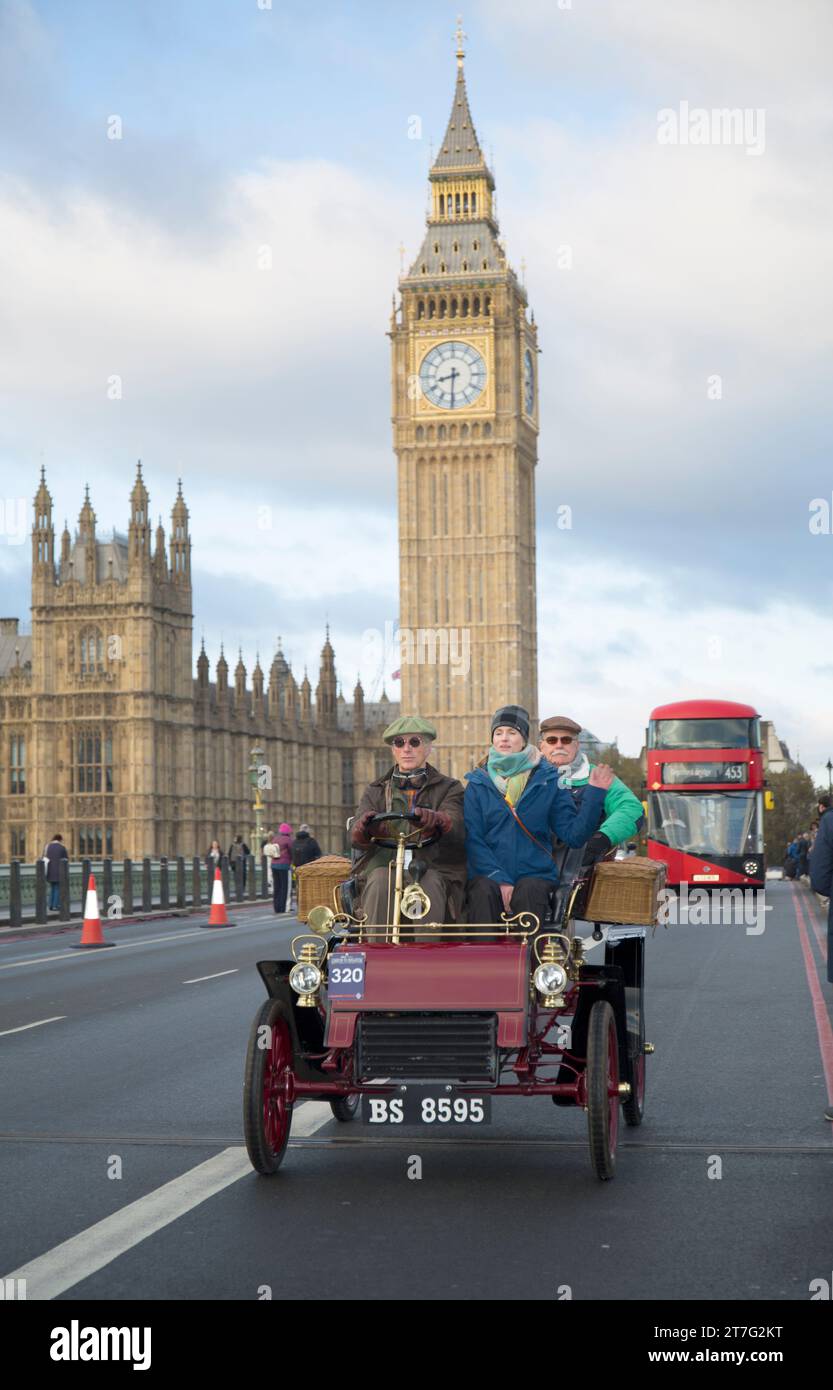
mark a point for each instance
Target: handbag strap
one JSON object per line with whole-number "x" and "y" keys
{"x": 529, "y": 832}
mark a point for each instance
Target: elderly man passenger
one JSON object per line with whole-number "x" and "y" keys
{"x": 413, "y": 784}
{"x": 558, "y": 741}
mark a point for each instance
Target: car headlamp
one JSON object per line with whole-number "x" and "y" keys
{"x": 550, "y": 979}
{"x": 305, "y": 978}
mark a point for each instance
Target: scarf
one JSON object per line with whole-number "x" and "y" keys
{"x": 576, "y": 771}
{"x": 510, "y": 771}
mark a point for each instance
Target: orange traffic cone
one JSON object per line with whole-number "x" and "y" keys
{"x": 217, "y": 917}
{"x": 91, "y": 934}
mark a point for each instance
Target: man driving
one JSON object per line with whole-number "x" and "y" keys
{"x": 412, "y": 784}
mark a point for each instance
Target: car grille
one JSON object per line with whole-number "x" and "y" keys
{"x": 420, "y": 1046}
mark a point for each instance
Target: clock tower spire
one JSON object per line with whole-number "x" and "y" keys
{"x": 465, "y": 427}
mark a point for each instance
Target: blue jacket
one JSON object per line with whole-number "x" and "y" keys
{"x": 497, "y": 848}
{"x": 821, "y": 859}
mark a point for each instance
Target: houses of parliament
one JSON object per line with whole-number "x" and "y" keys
{"x": 109, "y": 736}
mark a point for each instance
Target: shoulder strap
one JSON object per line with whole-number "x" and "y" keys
{"x": 529, "y": 833}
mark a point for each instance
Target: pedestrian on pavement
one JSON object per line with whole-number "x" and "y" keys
{"x": 239, "y": 850}
{"x": 305, "y": 848}
{"x": 281, "y": 860}
{"x": 213, "y": 857}
{"x": 821, "y": 881}
{"x": 54, "y": 852}
{"x": 803, "y": 852}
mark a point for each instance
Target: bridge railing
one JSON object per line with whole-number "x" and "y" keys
{"x": 126, "y": 886}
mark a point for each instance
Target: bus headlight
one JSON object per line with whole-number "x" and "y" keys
{"x": 750, "y": 866}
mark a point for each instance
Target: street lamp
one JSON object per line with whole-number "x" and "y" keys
{"x": 830, "y": 776}
{"x": 255, "y": 764}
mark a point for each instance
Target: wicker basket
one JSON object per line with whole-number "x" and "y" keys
{"x": 317, "y": 880}
{"x": 627, "y": 891}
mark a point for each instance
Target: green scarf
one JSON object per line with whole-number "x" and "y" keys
{"x": 510, "y": 771}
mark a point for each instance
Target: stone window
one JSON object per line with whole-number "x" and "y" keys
{"x": 93, "y": 765}
{"x": 17, "y": 765}
{"x": 92, "y": 842}
{"x": 18, "y": 844}
{"x": 92, "y": 651}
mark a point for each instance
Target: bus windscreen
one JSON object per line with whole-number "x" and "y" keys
{"x": 703, "y": 733}
{"x": 725, "y": 823}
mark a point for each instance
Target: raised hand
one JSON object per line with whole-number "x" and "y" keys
{"x": 602, "y": 776}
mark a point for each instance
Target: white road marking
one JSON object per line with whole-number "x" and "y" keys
{"x": 76, "y": 1259}
{"x": 39, "y": 1024}
{"x": 123, "y": 945}
{"x": 200, "y": 978}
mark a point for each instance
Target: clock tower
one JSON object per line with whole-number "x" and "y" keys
{"x": 465, "y": 427}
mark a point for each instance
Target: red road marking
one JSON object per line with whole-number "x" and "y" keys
{"x": 823, "y": 1025}
{"x": 819, "y": 927}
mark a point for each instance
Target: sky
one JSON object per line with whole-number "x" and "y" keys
{"x": 230, "y": 260}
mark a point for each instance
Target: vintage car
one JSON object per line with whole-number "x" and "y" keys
{"x": 425, "y": 1023}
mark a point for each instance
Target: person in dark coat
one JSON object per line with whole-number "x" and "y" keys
{"x": 239, "y": 850}
{"x": 514, "y": 805}
{"x": 821, "y": 881}
{"x": 55, "y": 851}
{"x": 305, "y": 847}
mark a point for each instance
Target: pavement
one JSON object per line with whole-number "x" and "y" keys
{"x": 125, "y": 1177}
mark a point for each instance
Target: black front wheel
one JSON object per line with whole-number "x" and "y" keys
{"x": 345, "y": 1108}
{"x": 602, "y": 1081}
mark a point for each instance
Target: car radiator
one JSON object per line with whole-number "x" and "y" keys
{"x": 427, "y": 1046}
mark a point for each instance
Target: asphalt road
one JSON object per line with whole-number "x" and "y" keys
{"x": 139, "y": 1072}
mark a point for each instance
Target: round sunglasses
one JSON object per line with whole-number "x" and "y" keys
{"x": 400, "y": 742}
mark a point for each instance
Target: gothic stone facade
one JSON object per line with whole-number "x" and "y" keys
{"x": 109, "y": 738}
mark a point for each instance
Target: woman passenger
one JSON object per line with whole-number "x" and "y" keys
{"x": 513, "y": 808}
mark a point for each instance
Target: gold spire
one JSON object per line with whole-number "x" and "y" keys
{"x": 460, "y": 36}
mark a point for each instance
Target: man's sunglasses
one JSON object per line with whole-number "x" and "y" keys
{"x": 400, "y": 742}
{"x": 559, "y": 738}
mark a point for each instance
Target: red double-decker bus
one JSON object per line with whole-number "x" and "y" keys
{"x": 704, "y": 785}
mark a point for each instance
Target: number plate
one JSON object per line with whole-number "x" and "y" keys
{"x": 431, "y": 1106}
{"x": 345, "y": 977}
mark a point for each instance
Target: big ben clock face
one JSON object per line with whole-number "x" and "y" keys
{"x": 452, "y": 375}
{"x": 529, "y": 383}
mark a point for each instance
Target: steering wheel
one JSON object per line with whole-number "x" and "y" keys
{"x": 410, "y": 842}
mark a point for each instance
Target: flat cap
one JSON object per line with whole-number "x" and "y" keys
{"x": 409, "y": 724}
{"x": 560, "y": 721}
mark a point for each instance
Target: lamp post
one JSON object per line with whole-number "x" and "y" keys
{"x": 830, "y": 776}
{"x": 255, "y": 763}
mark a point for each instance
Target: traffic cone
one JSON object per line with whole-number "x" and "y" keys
{"x": 217, "y": 917}
{"x": 91, "y": 934}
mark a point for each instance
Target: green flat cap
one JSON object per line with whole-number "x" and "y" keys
{"x": 409, "y": 724}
